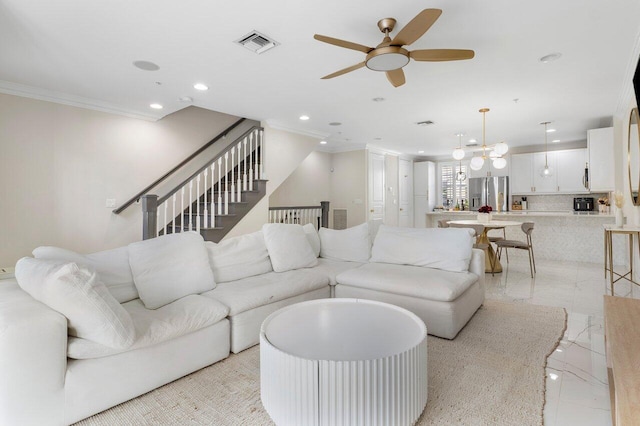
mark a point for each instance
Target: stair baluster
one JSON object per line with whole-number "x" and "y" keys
{"x": 213, "y": 203}
{"x": 239, "y": 173}
{"x": 226, "y": 182}
{"x": 251, "y": 152}
{"x": 233, "y": 186}
{"x": 206, "y": 209}
{"x": 190, "y": 205}
{"x": 198, "y": 217}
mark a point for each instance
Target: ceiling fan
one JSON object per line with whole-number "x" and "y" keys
{"x": 390, "y": 56}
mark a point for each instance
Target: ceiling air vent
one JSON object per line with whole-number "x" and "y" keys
{"x": 425, "y": 123}
{"x": 257, "y": 42}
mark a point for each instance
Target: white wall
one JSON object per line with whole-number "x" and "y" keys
{"x": 349, "y": 185}
{"x": 308, "y": 185}
{"x": 59, "y": 164}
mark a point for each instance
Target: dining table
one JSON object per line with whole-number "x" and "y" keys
{"x": 491, "y": 261}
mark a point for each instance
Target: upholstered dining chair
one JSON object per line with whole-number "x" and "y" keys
{"x": 442, "y": 223}
{"x": 527, "y": 228}
{"x": 478, "y": 229}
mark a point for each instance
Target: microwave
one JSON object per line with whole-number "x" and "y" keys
{"x": 583, "y": 204}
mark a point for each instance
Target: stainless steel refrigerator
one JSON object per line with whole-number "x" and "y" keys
{"x": 489, "y": 191}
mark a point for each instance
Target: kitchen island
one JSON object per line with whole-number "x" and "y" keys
{"x": 557, "y": 235}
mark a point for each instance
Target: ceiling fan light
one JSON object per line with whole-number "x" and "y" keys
{"x": 458, "y": 154}
{"x": 387, "y": 58}
{"x": 501, "y": 148}
{"x": 476, "y": 163}
{"x": 499, "y": 163}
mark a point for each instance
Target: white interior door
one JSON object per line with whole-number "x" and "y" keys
{"x": 405, "y": 189}
{"x": 375, "y": 200}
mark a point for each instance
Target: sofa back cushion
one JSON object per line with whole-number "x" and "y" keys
{"x": 448, "y": 249}
{"x": 288, "y": 247}
{"x": 239, "y": 257}
{"x": 351, "y": 244}
{"x": 77, "y": 293}
{"x": 313, "y": 238}
{"x": 169, "y": 267}
{"x": 112, "y": 267}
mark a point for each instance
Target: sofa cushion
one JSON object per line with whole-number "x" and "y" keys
{"x": 413, "y": 281}
{"x": 351, "y": 244}
{"x": 169, "y": 267}
{"x": 153, "y": 326}
{"x": 239, "y": 257}
{"x": 448, "y": 249}
{"x": 288, "y": 247}
{"x": 313, "y": 238}
{"x": 77, "y": 293}
{"x": 253, "y": 292}
{"x": 112, "y": 267}
{"x": 332, "y": 268}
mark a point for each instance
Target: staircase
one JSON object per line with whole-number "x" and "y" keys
{"x": 215, "y": 198}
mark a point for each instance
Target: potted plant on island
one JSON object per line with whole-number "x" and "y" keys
{"x": 484, "y": 214}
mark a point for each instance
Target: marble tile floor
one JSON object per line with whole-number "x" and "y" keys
{"x": 577, "y": 391}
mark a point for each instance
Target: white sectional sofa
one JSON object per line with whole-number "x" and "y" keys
{"x": 82, "y": 333}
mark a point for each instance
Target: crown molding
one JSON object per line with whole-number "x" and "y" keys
{"x": 41, "y": 94}
{"x": 311, "y": 133}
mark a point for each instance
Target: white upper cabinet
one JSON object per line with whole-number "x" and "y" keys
{"x": 521, "y": 174}
{"x": 571, "y": 165}
{"x": 567, "y": 172}
{"x": 488, "y": 170}
{"x": 601, "y": 160}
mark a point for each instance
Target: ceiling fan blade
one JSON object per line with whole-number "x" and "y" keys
{"x": 344, "y": 71}
{"x": 396, "y": 77}
{"x": 416, "y": 27}
{"x": 343, "y": 43}
{"x": 436, "y": 55}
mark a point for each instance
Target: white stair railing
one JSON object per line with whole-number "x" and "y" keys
{"x": 229, "y": 174}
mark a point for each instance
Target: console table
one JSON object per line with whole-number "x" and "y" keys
{"x": 343, "y": 361}
{"x": 622, "y": 343}
{"x": 609, "y": 231}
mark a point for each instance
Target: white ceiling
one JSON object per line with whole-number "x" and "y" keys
{"x": 81, "y": 52}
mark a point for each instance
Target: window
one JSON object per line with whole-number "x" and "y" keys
{"x": 453, "y": 192}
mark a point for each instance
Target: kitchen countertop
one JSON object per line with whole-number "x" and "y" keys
{"x": 520, "y": 213}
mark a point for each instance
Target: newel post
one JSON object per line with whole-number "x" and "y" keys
{"x": 325, "y": 214}
{"x": 149, "y": 216}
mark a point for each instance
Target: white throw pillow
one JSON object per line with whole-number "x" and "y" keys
{"x": 239, "y": 257}
{"x": 288, "y": 247}
{"x": 351, "y": 244}
{"x": 448, "y": 249}
{"x": 112, "y": 267}
{"x": 312, "y": 235}
{"x": 169, "y": 267}
{"x": 77, "y": 293}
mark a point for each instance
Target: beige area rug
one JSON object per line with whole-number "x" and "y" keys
{"x": 492, "y": 373}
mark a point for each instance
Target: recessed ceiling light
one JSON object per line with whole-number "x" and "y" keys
{"x": 421, "y": 152}
{"x": 555, "y": 140}
{"x": 378, "y": 99}
{"x": 304, "y": 117}
{"x": 155, "y": 106}
{"x": 550, "y": 57}
{"x": 323, "y": 142}
{"x": 146, "y": 65}
{"x": 551, "y": 130}
{"x": 472, "y": 141}
{"x": 201, "y": 86}
{"x": 335, "y": 123}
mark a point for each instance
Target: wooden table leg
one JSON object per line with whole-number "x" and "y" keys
{"x": 489, "y": 254}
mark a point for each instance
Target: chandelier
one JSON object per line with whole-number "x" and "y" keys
{"x": 496, "y": 151}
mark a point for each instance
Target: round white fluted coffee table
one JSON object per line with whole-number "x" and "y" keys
{"x": 343, "y": 361}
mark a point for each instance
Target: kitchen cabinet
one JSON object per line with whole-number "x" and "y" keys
{"x": 567, "y": 168}
{"x": 570, "y": 169}
{"x": 601, "y": 159}
{"x": 545, "y": 185}
{"x": 488, "y": 170}
{"x": 521, "y": 174}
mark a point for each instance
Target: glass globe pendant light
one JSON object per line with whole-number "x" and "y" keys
{"x": 546, "y": 171}
{"x": 460, "y": 176}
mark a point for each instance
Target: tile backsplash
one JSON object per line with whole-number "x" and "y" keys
{"x": 556, "y": 202}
